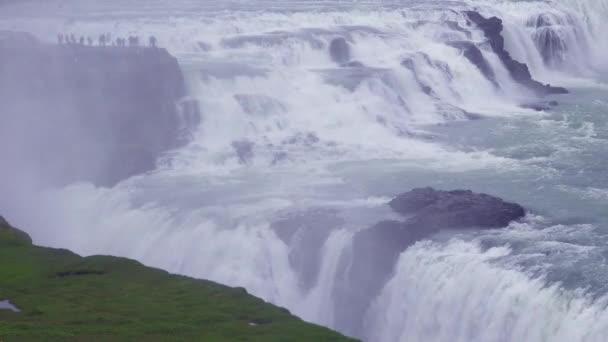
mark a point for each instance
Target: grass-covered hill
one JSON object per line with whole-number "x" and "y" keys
{"x": 64, "y": 297}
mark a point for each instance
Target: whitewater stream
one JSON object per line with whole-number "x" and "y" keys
{"x": 289, "y": 135}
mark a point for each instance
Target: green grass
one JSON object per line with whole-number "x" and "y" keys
{"x": 65, "y": 297}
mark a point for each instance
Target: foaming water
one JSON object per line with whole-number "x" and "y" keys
{"x": 458, "y": 291}
{"x": 317, "y": 304}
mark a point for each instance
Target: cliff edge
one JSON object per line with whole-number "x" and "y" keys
{"x": 56, "y": 295}
{"x": 77, "y": 112}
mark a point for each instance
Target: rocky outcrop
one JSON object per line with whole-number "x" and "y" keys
{"x": 492, "y": 29}
{"x": 413, "y": 62}
{"x": 548, "y": 34}
{"x": 539, "y": 105}
{"x": 435, "y": 209}
{"x": 471, "y": 52}
{"x": 339, "y": 50}
{"x": 244, "y": 150}
{"x": 426, "y": 211}
{"x": 12, "y": 234}
{"x": 75, "y": 112}
{"x": 306, "y": 233}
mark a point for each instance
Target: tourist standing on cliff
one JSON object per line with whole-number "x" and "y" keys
{"x": 133, "y": 41}
{"x": 152, "y": 42}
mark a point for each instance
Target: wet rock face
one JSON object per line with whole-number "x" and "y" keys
{"x": 551, "y": 46}
{"x": 244, "y": 150}
{"x": 458, "y": 209}
{"x": 492, "y": 28}
{"x": 82, "y": 113}
{"x": 471, "y": 52}
{"x": 426, "y": 211}
{"x": 305, "y": 233}
{"x": 548, "y": 38}
{"x": 339, "y": 50}
{"x": 539, "y": 105}
{"x": 412, "y": 63}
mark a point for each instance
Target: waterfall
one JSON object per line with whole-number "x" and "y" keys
{"x": 288, "y": 131}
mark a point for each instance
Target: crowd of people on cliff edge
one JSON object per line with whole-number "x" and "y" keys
{"x": 104, "y": 40}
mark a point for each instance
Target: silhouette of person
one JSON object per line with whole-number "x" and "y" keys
{"x": 152, "y": 42}
{"x": 81, "y": 41}
{"x": 90, "y": 41}
{"x": 136, "y": 41}
{"x": 60, "y": 39}
{"x": 102, "y": 40}
{"x": 73, "y": 39}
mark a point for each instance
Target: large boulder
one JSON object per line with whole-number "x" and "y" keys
{"x": 83, "y": 113}
{"x": 458, "y": 209}
{"x": 339, "y": 50}
{"x": 426, "y": 211}
{"x": 492, "y": 29}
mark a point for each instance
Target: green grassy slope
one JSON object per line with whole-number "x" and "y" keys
{"x": 64, "y": 297}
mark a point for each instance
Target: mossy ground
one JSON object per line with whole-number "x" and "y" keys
{"x": 64, "y": 297}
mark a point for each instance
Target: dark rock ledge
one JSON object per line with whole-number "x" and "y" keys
{"x": 492, "y": 29}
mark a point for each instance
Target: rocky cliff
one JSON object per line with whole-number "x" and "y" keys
{"x": 492, "y": 29}
{"x": 76, "y": 112}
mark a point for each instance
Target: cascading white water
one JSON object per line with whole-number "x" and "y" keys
{"x": 314, "y": 306}
{"x": 593, "y": 14}
{"x": 564, "y": 36}
{"x": 459, "y": 292}
{"x": 280, "y": 124}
